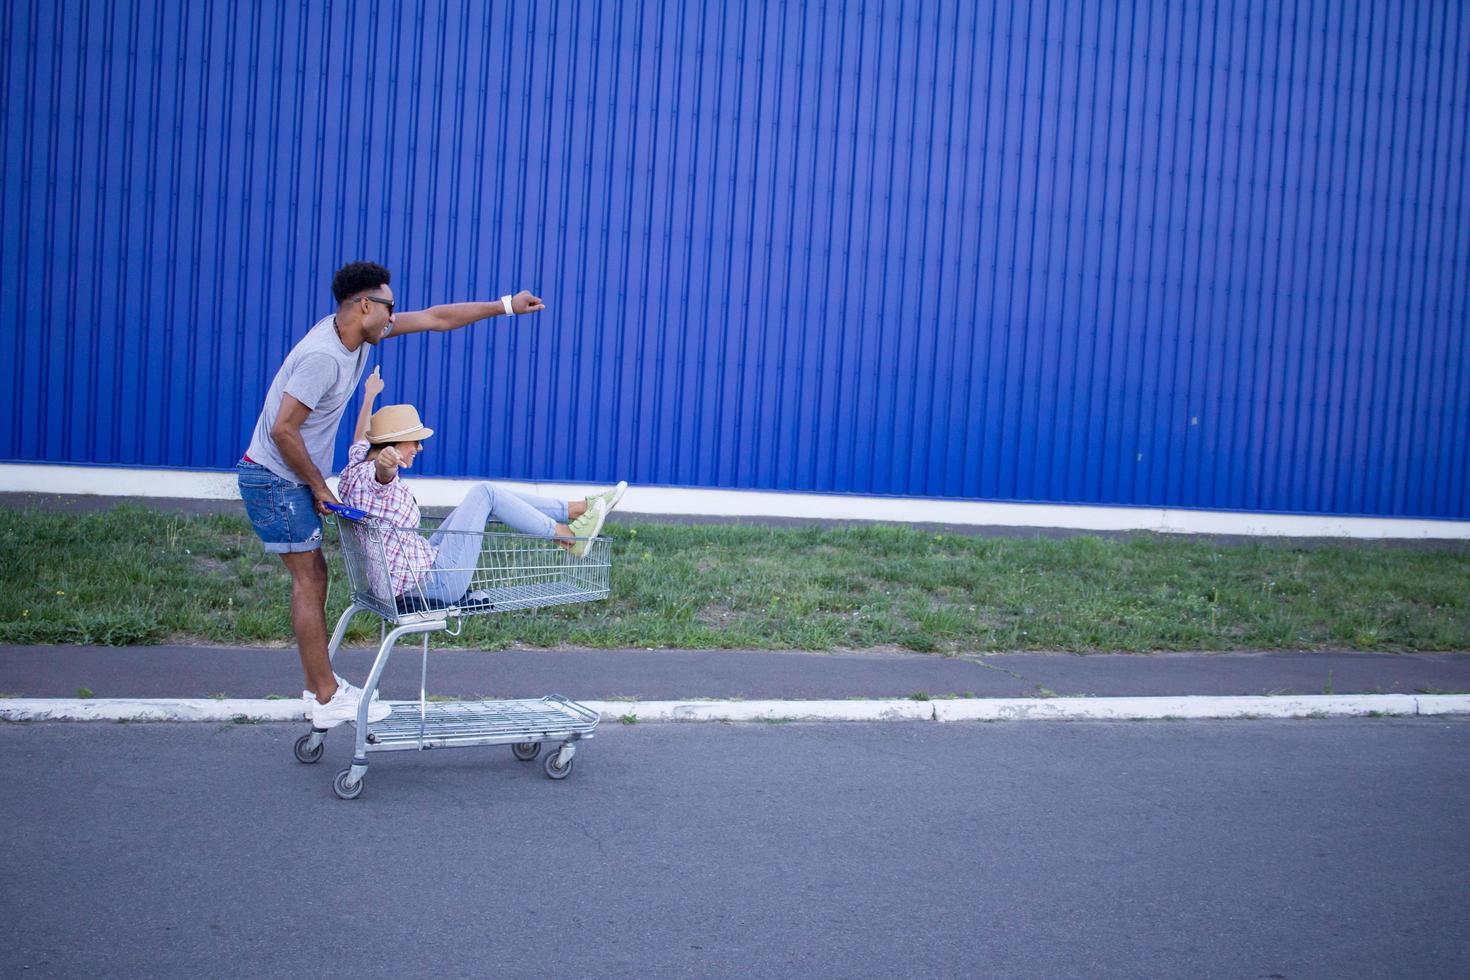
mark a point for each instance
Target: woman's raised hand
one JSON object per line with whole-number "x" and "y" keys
{"x": 373, "y": 386}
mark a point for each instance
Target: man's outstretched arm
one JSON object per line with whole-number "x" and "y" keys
{"x": 452, "y": 316}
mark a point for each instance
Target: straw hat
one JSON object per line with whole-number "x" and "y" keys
{"x": 397, "y": 423}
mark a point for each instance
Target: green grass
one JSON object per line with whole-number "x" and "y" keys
{"x": 135, "y": 576}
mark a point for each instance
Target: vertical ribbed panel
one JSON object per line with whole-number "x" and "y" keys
{"x": 1178, "y": 254}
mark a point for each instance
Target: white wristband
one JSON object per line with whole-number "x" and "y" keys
{"x": 505, "y": 301}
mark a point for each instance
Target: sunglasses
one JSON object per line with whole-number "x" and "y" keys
{"x": 378, "y": 299}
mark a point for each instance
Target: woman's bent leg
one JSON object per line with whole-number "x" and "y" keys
{"x": 554, "y": 509}
{"x": 458, "y": 541}
{"x": 460, "y": 537}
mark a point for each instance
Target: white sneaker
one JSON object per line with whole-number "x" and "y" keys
{"x": 585, "y": 528}
{"x": 308, "y": 698}
{"x": 611, "y": 497}
{"x": 343, "y": 707}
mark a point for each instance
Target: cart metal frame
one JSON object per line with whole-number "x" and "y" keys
{"x": 513, "y": 571}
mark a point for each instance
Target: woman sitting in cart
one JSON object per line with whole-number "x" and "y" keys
{"x": 387, "y": 441}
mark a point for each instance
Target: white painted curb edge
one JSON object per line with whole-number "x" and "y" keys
{"x": 967, "y": 709}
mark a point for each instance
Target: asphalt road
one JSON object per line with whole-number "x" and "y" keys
{"x": 1252, "y": 849}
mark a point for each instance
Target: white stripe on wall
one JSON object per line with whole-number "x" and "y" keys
{"x": 687, "y": 501}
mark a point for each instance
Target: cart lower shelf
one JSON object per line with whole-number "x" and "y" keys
{"x": 446, "y": 724}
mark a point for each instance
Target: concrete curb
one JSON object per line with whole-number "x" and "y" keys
{"x": 967, "y": 709}
{"x": 894, "y": 710}
{"x": 1102, "y": 709}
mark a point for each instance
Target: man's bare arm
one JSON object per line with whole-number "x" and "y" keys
{"x": 287, "y": 433}
{"x": 452, "y": 316}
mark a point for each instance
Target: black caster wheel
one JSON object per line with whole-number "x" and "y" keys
{"x": 551, "y": 769}
{"x": 307, "y": 756}
{"x": 526, "y": 751}
{"x": 345, "y": 792}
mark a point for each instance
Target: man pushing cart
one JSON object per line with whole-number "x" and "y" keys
{"x": 286, "y": 495}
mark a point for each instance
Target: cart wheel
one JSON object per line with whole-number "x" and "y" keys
{"x": 550, "y": 766}
{"x": 308, "y": 756}
{"x": 339, "y": 785}
{"x": 526, "y": 751}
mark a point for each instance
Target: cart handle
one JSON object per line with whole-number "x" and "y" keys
{"x": 351, "y": 513}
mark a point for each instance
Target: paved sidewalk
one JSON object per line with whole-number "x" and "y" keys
{"x": 203, "y": 672}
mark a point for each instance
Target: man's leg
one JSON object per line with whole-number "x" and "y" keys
{"x": 283, "y": 514}
{"x": 309, "y": 619}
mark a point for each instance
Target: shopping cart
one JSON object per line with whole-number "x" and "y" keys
{"x": 514, "y": 571}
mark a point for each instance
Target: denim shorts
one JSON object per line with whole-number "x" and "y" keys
{"x": 282, "y": 512}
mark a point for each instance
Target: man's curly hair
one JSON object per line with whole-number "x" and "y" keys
{"x": 358, "y": 277}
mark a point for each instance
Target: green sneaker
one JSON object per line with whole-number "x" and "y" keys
{"x": 610, "y": 498}
{"x": 586, "y": 527}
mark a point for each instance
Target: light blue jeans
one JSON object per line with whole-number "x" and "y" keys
{"x": 459, "y": 552}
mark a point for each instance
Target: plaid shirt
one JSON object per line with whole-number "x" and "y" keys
{"x": 407, "y": 552}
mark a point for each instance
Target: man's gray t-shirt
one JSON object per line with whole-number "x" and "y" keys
{"x": 322, "y": 375}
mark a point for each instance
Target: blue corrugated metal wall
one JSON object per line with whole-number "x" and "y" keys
{"x": 1201, "y": 255}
